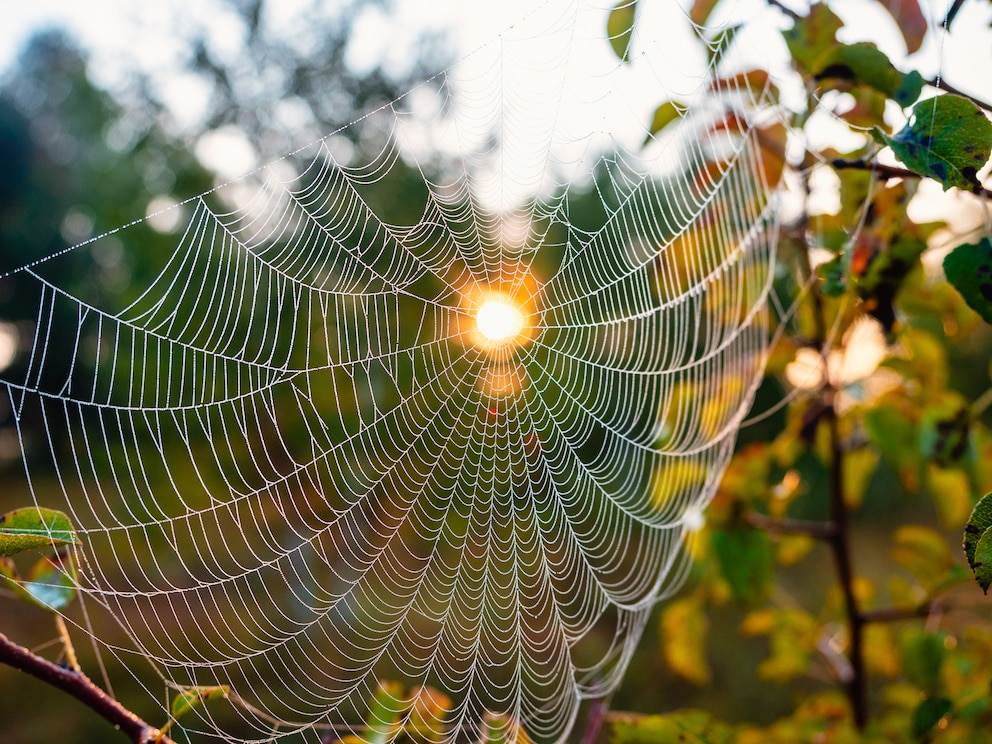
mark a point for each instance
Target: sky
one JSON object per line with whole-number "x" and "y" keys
{"x": 122, "y": 33}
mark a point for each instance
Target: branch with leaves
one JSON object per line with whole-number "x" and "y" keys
{"x": 52, "y": 584}
{"x": 905, "y": 422}
{"x": 81, "y": 687}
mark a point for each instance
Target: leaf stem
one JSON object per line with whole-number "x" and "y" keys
{"x": 788, "y": 11}
{"x": 82, "y": 688}
{"x": 70, "y": 650}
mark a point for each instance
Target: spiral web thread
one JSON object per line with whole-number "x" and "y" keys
{"x": 299, "y": 469}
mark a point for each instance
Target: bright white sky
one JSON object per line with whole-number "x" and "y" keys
{"x": 117, "y": 31}
{"x": 121, "y": 33}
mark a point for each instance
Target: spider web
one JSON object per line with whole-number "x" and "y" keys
{"x": 300, "y": 469}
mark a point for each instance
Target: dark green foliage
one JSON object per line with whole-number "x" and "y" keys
{"x": 969, "y": 268}
{"x": 746, "y": 562}
{"x": 948, "y": 138}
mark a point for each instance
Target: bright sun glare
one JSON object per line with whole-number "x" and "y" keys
{"x": 499, "y": 321}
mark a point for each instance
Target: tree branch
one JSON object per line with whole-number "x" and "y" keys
{"x": 788, "y": 11}
{"x": 943, "y": 85}
{"x": 895, "y": 614}
{"x": 787, "y": 526}
{"x": 886, "y": 172}
{"x": 83, "y": 689}
{"x": 840, "y": 545}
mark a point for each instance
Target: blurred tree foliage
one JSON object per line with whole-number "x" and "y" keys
{"x": 78, "y": 160}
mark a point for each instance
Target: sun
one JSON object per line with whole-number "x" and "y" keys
{"x": 499, "y": 321}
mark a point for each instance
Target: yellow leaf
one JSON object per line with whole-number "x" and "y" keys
{"x": 923, "y": 552}
{"x": 881, "y": 651}
{"x": 620, "y": 28}
{"x": 684, "y": 628}
{"x": 859, "y": 467}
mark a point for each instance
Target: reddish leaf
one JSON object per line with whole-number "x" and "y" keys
{"x": 701, "y": 10}
{"x": 910, "y": 19}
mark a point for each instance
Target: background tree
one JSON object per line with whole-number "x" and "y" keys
{"x": 79, "y": 160}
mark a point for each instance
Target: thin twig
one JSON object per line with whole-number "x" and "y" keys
{"x": 840, "y": 541}
{"x": 943, "y": 85}
{"x": 952, "y": 14}
{"x": 83, "y": 689}
{"x": 788, "y": 526}
{"x": 895, "y": 614}
{"x": 886, "y": 172}
{"x": 788, "y": 11}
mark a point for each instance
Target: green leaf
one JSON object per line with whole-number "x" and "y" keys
{"x": 193, "y": 697}
{"x": 50, "y": 584}
{"x": 746, "y": 560}
{"x": 620, "y": 28}
{"x": 923, "y": 552}
{"x": 892, "y": 430}
{"x": 664, "y": 115}
{"x": 832, "y": 276}
{"x": 978, "y": 524}
{"x": 944, "y": 433}
{"x": 947, "y": 138}
{"x": 969, "y": 269}
{"x": 719, "y": 43}
{"x": 928, "y": 714}
{"x": 34, "y": 527}
{"x": 922, "y": 657}
{"x": 982, "y": 565}
{"x": 385, "y": 713}
{"x": 682, "y": 726}
{"x": 812, "y": 35}
{"x": 794, "y": 637}
{"x": 499, "y": 728}
{"x": 865, "y": 64}
{"x": 430, "y": 707}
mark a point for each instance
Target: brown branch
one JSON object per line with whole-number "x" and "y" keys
{"x": 943, "y": 85}
{"x": 839, "y": 540}
{"x": 83, "y": 689}
{"x": 788, "y": 11}
{"x": 840, "y": 545}
{"x": 599, "y": 711}
{"x": 895, "y": 614}
{"x": 787, "y": 526}
{"x": 886, "y": 172}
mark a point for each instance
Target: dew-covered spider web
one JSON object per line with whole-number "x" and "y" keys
{"x": 336, "y": 457}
